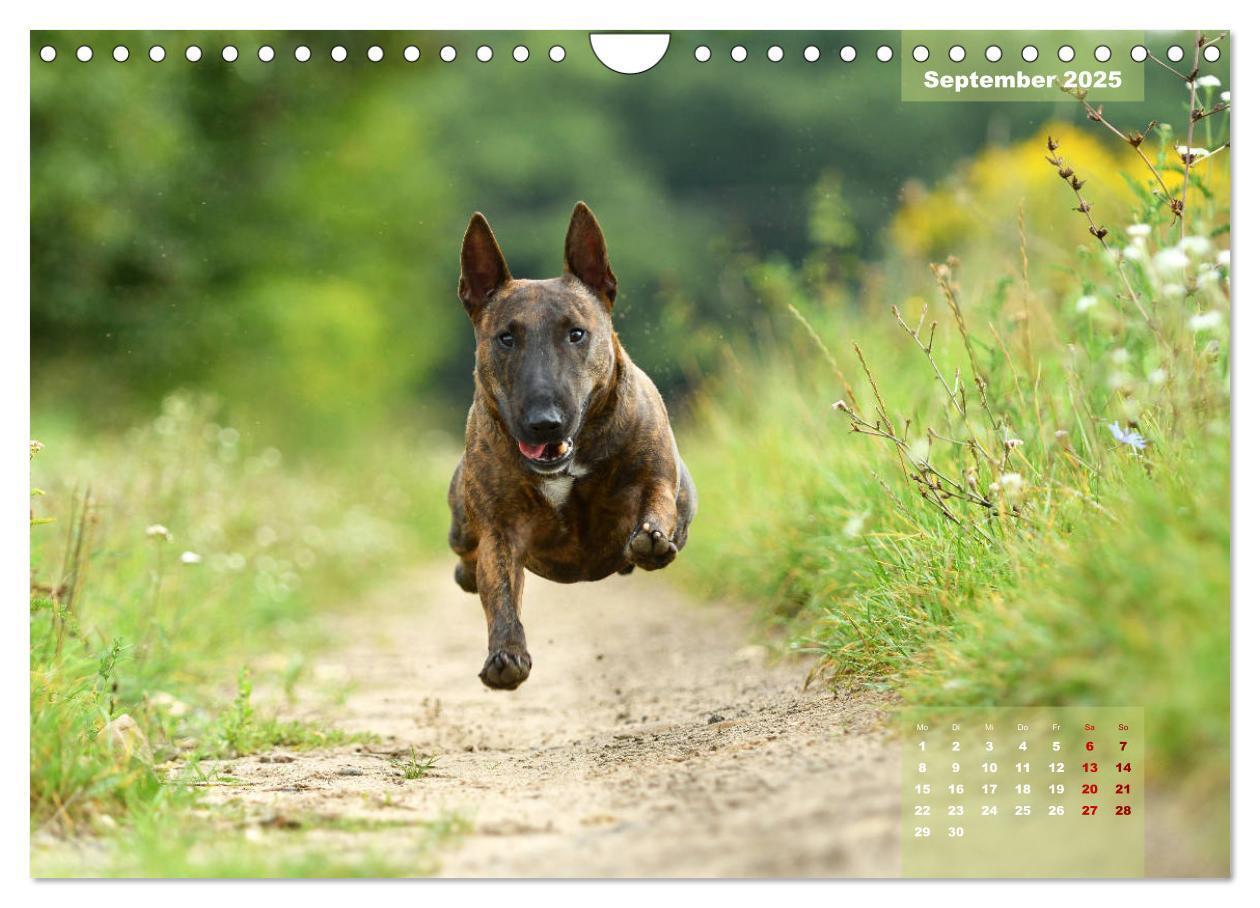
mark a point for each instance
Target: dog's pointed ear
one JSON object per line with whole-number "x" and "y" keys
{"x": 586, "y": 256}
{"x": 482, "y": 268}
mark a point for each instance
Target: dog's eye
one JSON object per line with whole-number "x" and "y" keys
{"x": 576, "y": 335}
{"x": 507, "y": 340}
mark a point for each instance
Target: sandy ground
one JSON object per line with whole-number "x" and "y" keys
{"x": 652, "y": 739}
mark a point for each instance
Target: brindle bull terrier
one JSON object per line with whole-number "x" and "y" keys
{"x": 570, "y": 468}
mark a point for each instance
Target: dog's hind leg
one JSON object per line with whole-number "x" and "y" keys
{"x": 688, "y": 503}
{"x": 462, "y": 540}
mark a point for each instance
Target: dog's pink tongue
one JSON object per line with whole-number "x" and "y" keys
{"x": 533, "y": 452}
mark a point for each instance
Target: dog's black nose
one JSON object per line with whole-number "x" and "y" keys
{"x": 543, "y": 422}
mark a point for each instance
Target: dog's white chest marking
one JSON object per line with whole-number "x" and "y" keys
{"x": 556, "y": 490}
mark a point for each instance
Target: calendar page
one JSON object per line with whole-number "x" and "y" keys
{"x": 485, "y": 444}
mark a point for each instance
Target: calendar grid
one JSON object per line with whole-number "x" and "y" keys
{"x": 1023, "y": 792}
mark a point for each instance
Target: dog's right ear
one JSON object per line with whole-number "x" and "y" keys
{"x": 482, "y": 268}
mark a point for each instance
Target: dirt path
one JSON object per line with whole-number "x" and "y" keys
{"x": 651, "y": 740}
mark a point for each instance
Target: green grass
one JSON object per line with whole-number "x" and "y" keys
{"x": 175, "y": 565}
{"x": 967, "y": 548}
{"x": 415, "y": 767}
{"x": 304, "y": 846}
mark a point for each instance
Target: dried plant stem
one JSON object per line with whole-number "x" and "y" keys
{"x": 1006, "y": 353}
{"x": 927, "y": 352}
{"x": 934, "y": 486}
{"x": 1199, "y": 160}
{"x": 1194, "y": 103}
{"x": 831, "y": 360}
{"x": 1098, "y": 231}
{"x": 1027, "y": 294}
{"x": 1134, "y": 141}
{"x": 950, "y": 290}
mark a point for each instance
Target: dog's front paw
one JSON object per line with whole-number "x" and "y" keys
{"x": 649, "y": 548}
{"x": 506, "y": 669}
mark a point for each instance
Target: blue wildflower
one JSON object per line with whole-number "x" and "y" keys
{"x": 1132, "y": 439}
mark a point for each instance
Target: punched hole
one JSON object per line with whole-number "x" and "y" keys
{"x": 920, "y": 53}
{"x": 993, "y": 53}
{"x": 848, "y": 53}
{"x": 703, "y": 54}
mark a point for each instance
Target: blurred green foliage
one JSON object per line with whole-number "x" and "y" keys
{"x": 286, "y": 234}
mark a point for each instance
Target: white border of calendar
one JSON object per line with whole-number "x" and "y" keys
{"x": 640, "y": 14}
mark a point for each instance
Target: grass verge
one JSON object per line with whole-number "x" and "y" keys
{"x": 172, "y": 568}
{"x": 1010, "y": 489}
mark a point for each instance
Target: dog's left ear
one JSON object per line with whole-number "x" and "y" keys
{"x": 586, "y": 256}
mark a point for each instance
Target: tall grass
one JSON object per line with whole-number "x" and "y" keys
{"x": 1011, "y": 486}
{"x": 173, "y": 566}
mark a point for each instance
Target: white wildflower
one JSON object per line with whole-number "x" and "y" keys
{"x": 169, "y": 704}
{"x": 1222, "y": 258}
{"x": 1193, "y": 153}
{"x": 1120, "y": 356}
{"x": 157, "y": 531}
{"x": 190, "y": 558}
{"x": 1157, "y": 376}
{"x": 853, "y": 526}
{"x": 1170, "y": 261}
{"x": 1207, "y": 82}
{"x": 1173, "y": 291}
{"x": 1137, "y": 231}
{"x": 1195, "y": 245}
{"x": 1133, "y": 252}
{"x": 1012, "y": 485}
{"x": 1205, "y": 321}
{"x": 1225, "y": 96}
{"x": 1085, "y": 303}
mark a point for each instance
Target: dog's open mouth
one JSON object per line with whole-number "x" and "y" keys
{"x": 551, "y": 454}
